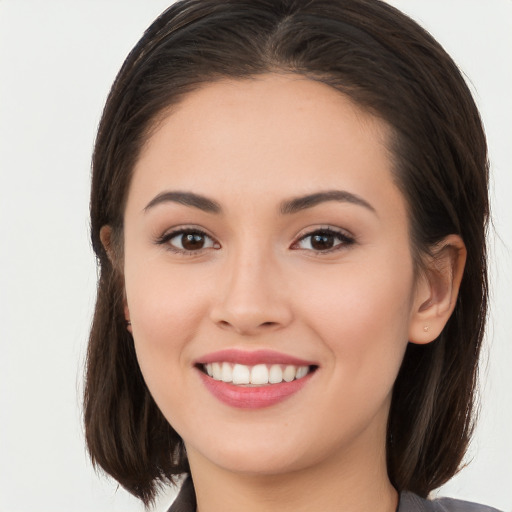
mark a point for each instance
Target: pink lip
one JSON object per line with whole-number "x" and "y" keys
{"x": 253, "y": 397}
{"x": 251, "y": 358}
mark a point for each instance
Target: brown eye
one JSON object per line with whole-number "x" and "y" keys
{"x": 324, "y": 240}
{"x": 192, "y": 241}
{"x": 189, "y": 241}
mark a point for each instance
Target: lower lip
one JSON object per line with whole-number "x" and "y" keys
{"x": 255, "y": 397}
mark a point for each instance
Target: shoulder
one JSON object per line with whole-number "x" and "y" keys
{"x": 410, "y": 502}
{"x": 186, "y": 499}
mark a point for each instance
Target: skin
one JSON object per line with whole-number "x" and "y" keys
{"x": 258, "y": 283}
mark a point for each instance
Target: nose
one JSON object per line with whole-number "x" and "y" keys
{"x": 252, "y": 296}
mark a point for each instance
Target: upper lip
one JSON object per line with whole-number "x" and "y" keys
{"x": 252, "y": 358}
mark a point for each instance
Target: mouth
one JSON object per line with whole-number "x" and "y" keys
{"x": 255, "y": 375}
{"x": 254, "y": 379}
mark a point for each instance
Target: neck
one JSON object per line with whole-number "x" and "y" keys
{"x": 354, "y": 482}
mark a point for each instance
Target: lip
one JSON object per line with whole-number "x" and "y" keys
{"x": 256, "y": 397}
{"x": 252, "y": 358}
{"x": 252, "y": 397}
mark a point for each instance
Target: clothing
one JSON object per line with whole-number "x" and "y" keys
{"x": 186, "y": 499}
{"x": 409, "y": 502}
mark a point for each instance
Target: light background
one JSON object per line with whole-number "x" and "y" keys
{"x": 57, "y": 62}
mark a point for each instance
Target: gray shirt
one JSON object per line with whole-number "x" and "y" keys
{"x": 409, "y": 502}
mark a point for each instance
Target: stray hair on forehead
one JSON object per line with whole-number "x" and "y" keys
{"x": 388, "y": 66}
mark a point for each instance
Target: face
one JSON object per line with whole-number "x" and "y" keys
{"x": 268, "y": 272}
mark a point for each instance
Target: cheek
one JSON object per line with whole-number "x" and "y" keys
{"x": 166, "y": 309}
{"x": 362, "y": 319}
{"x": 363, "y": 316}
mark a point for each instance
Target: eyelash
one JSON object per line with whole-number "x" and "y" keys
{"x": 166, "y": 238}
{"x": 344, "y": 240}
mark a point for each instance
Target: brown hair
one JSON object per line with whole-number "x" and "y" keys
{"x": 390, "y": 67}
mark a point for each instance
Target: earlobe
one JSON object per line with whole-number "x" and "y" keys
{"x": 106, "y": 240}
{"x": 437, "y": 290}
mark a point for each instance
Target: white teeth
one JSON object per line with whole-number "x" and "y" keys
{"x": 241, "y": 374}
{"x": 289, "y": 373}
{"x": 275, "y": 374}
{"x": 257, "y": 375}
{"x": 302, "y": 371}
{"x": 227, "y": 372}
{"x": 217, "y": 371}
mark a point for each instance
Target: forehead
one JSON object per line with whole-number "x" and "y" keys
{"x": 266, "y": 103}
{"x": 272, "y": 134}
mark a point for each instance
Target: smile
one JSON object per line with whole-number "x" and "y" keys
{"x": 253, "y": 379}
{"x": 257, "y": 375}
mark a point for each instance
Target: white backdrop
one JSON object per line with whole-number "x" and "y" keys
{"x": 57, "y": 62}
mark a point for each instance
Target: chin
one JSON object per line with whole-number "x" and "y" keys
{"x": 258, "y": 462}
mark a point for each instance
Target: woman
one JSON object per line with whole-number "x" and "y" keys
{"x": 289, "y": 208}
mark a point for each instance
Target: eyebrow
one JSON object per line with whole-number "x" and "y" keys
{"x": 301, "y": 203}
{"x": 286, "y": 208}
{"x": 187, "y": 199}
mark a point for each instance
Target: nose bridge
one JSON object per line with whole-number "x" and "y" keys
{"x": 251, "y": 294}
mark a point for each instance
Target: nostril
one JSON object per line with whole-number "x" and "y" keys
{"x": 246, "y": 327}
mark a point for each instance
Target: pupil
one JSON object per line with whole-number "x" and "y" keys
{"x": 192, "y": 241}
{"x": 322, "y": 242}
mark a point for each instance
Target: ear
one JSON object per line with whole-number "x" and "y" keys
{"x": 437, "y": 289}
{"x": 106, "y": 240}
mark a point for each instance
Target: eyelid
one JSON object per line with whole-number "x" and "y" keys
{"x": 346, "y": 238}
{"x": 175, "y": 231}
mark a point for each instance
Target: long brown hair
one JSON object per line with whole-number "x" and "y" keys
{"x": 390, "y": 67}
